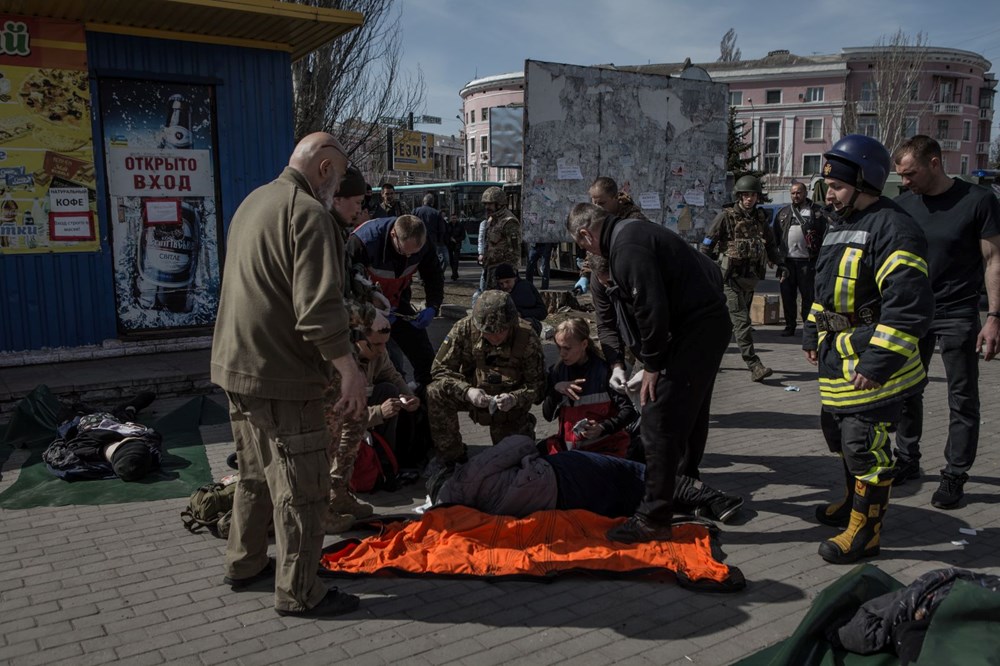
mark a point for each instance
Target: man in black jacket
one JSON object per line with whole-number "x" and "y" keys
{"x": 526, "y": 298}
{"x": 672, "y": 314}
{"x": 799, "y": 230}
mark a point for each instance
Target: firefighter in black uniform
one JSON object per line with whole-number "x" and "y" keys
{"x": 873, "y": 304}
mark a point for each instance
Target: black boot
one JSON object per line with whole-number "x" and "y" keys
{"x": 838, "y": 514}
{"x": 861, "y": 538}
{"x": 704, "y": 501}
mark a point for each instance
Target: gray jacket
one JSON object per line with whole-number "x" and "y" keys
{"x": 508, "y": 479}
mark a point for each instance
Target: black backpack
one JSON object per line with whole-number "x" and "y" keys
{"x": 211, "y": 508}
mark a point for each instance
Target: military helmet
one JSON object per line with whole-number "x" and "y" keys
{"x": 865, "y": 159}
{"x": 748, "y": 183}
{"x": 494, "y": 195}
{"x": 494, "y": 312}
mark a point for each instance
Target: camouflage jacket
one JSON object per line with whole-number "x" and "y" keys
{"x": 357, "y": 289}
{"x": 503, "y": 239}
{"x": 466, "y": 360}
{"x": 742, "y": 241}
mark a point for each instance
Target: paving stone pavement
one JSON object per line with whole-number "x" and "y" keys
{"x": 128, "y": 584}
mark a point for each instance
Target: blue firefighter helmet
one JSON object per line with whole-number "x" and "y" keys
{"x": 867, "y": 160}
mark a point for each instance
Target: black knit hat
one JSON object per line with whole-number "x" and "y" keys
{"x": 352, "y": 184}
{"x": 131, "y": 461}
{"x": 504, "y": 271}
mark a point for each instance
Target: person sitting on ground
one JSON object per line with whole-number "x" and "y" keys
{"x": 514, "y": 479}
{"x": 490, "y": 363}
{"x": 591, "y": 416}
{"x": 388, "y": 396}
{"x": 526, "y": 298}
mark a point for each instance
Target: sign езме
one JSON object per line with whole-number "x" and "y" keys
{"x": 411, "y": 151}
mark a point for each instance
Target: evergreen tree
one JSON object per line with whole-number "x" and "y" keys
{"x": 738, "y": 146}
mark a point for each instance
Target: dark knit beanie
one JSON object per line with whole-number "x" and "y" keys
{"x": 504, "y": 271}
{"x": 352, "y": 184}
{"x": 841, "y": 170}
{"x": 131, "y": 461}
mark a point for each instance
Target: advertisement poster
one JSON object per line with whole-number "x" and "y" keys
{"x": 159, "y": 140}
{"x": 47, "y": 180}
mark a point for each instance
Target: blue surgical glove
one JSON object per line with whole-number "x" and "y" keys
{"x": 424, "y": 318}
{"x": 582, "y": 285}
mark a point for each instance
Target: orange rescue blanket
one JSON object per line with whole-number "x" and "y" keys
{"x": 459, "y": 541}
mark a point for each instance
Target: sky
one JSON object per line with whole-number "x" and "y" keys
{"x": 456, "y": 41}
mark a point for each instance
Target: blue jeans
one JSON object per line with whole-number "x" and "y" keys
{"x": 543, "y": 252}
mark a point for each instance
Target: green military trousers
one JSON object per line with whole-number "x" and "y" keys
{"x": 443, "y": 410}
{"x": 283, "y": 451}
{"x": 738, "y": 301}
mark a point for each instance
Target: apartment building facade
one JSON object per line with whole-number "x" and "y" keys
{"x": 478, "y": 98}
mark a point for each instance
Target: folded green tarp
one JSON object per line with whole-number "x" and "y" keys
{"x": 963, "y": 630}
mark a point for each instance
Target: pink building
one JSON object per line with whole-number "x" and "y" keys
{"x": 795, "y": 107}
{"x": 478, "y": 97}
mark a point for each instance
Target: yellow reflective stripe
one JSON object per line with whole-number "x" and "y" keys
{"x": 878, "y": 448}
{"x": 821, "y": 335}
{"x": 894, "y": 340}
{"x": 847, "y": 275}
{"x": 846, "y": 350}
{"x": 899, "y": 259}
{"x": 813, "y": 309}
{"x": 840, "y": 393}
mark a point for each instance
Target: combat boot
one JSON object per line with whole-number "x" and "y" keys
{"x": 338, "y": 522}
{"x": 759, "y": 372}
{"x": 343, "y": 500}
{"x": 838, "y": 514}
{"x": 861, "y": 538}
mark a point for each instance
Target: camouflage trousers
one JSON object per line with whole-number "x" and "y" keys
{"x": 352, "y": 432}
{"x": 738, "y": 301}
{"x": 339, "y": 427}
{"x": 443, "y": 409}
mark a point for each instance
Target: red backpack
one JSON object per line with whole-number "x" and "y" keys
{"x": 375, "y": 468}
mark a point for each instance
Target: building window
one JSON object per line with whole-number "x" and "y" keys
{"x": 486, "y": 174}
{"x": 868, "y": 125}
{"x": 772, "y": 145}
{"x": 945, "y": 92}
{"x": 965, "y": 165}
{"x": 811, "y": 164}
{"x": 501, "y": 174}
{"x": 472, "y": 148}
{"x": 968, "y": 97}
{"x": 867, "y": 91}
{"x": 485, "y": 143}
{"x": 942, "y": 129}
{"x": 773, "y": 97}
{"x": 909, "y": 127}
{"x": 915, "y": 91}
{"x": 813, "y": 129}
{"x": 966, "y": 130}
{"x": 485, "y": 114}
{"x": 814, "y": 94}
{"x": 735, "y": 98}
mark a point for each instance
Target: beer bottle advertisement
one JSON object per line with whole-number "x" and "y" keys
{"x": 159, "y": 140}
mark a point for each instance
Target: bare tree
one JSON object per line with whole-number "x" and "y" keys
{"x": 994, "y": 162}
{"x": 354, "y": 86}
{"x": 897, "y": 64}
{"x": 727, "y": 47}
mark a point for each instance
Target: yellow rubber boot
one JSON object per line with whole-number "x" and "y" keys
{"x": 861, "y": 538}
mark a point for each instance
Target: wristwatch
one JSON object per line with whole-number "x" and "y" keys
{"x": 994, "y": 314}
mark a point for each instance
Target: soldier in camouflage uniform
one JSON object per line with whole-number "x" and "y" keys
{"x": 503, "y": 235}
{"x": 742, "y": 242}
{"x": 491, "y": 364}
{"x": 358, "y": 300}
{"x": 388, "y": 394}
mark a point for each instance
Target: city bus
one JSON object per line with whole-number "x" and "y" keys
{"x": 461, "y": 200}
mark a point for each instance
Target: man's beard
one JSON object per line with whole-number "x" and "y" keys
{"x": 326, "y": 192}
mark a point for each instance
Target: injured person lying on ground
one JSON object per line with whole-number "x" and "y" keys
{"x": 513, "y": 478}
